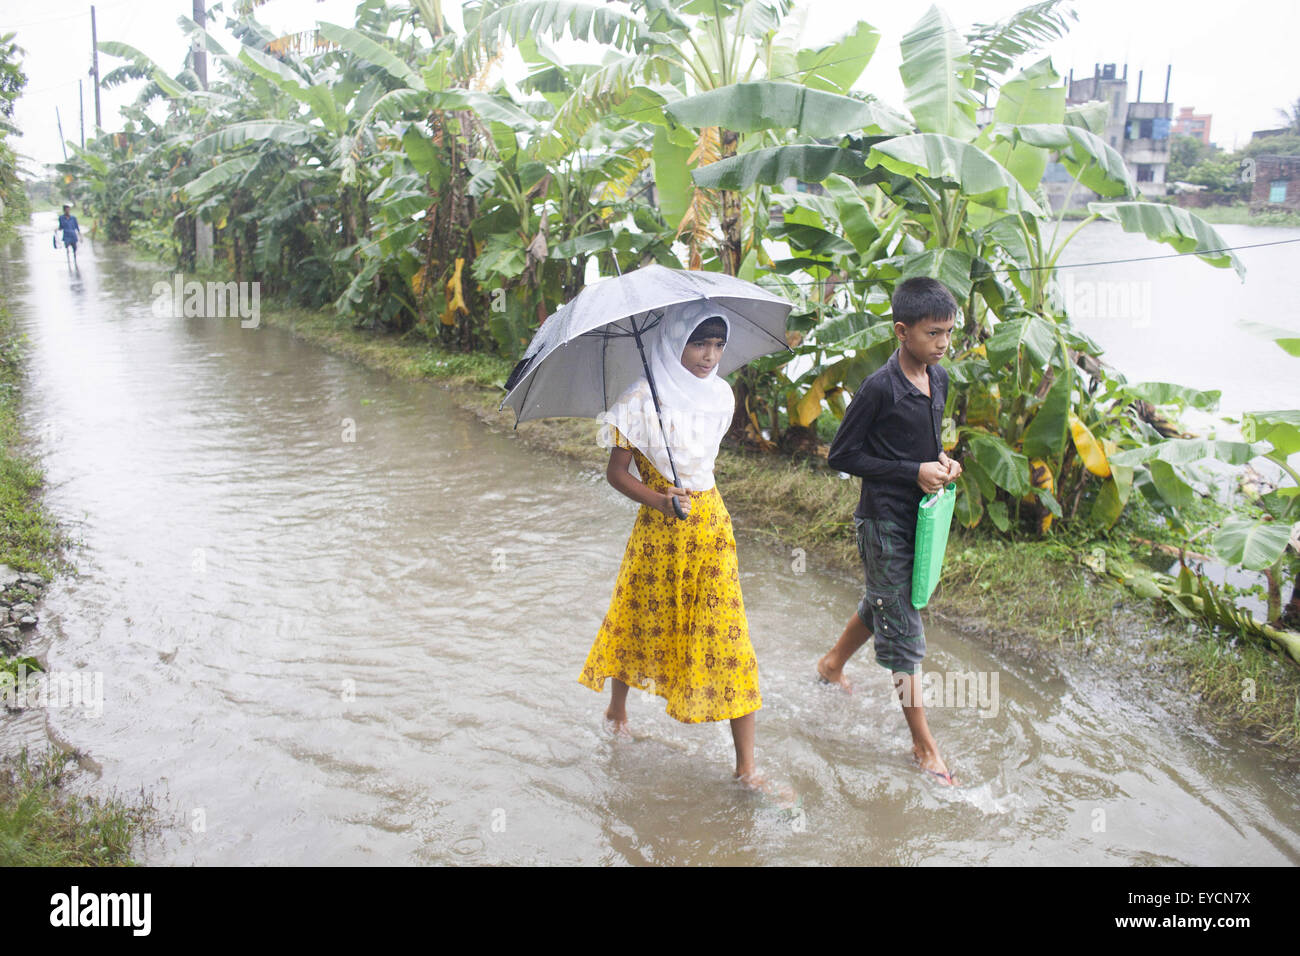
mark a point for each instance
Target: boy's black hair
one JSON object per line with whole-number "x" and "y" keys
{"x": 711, "y": 328}
{"x": 922, "y": 298}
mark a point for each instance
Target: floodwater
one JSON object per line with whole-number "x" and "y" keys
{"x": 1176, "y": 319}
{"x": 339, "y": 622}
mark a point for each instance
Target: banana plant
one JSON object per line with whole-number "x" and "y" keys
{"x": 1268, "y": 538}
{"x": 1032, "y": 405}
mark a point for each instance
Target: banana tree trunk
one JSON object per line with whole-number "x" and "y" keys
{"x": 1291, "y": 613}
{"x": 732, "y": 242}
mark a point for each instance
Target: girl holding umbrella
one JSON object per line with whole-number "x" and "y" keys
{"x": 645, "y": 354}
{"x": 676, "y": 624}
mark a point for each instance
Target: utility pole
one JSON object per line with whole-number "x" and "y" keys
{"x": 200, "y": 55}
{"x": 94, "y": 69}
{"x": 202, "y": 230}
{"x": 62, "y": 142}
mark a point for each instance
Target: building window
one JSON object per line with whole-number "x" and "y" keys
{"x": 1145, "y": 173}
{"x": 1119, "y": 106}
{"x": 1112, "y": 140}
{"x": 1139, "y": 129}
{"x": 1277, "y": 190}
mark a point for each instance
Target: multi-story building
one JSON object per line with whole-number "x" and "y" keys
{"x": 1189, "y": 123}
{"x": 1139, "y": 131}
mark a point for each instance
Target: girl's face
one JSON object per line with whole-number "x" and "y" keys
{"x": 701, "y": 357}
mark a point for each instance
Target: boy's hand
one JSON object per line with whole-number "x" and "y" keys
{"x": 954, "y": 466}
{"x": 932, "y": 476}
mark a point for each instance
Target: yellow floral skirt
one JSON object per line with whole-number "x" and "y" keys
{"x": 676, "y": 624}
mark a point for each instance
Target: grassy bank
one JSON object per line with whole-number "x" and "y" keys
{"x": 41, "y": 821}
{"x": 29, "y": 537}
{"x": 1238, "y": 215}
{"x": 1033, "y": 596}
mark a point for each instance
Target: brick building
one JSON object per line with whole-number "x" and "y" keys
{"x": 1277, "y": 184}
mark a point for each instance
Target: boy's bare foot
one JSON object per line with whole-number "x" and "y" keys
{"x": 833, "y": 675}
{"x": 933, "y": 764}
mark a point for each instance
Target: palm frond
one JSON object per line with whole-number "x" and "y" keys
{"x": 516, "y": 19}
{"x": 599, "y": 94}
{"x": 615, "y": 188}
{"x": 995, "y": 46}
{"x": 124, "y": 74}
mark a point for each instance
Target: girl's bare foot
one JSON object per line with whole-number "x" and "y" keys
{"x": 933, "y": 764}
{"x": 616, "y": 725}
{"x": 833, "y": 675}
{"x": 783, "y": 794}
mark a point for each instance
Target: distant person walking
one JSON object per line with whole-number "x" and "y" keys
{"x": 70, "y": 229}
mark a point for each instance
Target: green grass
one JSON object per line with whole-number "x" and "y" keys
{"x": 473, "y": 368}
{"x": 798, "y": 502}
{"x": 1244, "y": 684}
{"x": 42, "y": 823}
{"x": 29, "y": 536}
{"x": 402, "y": 356}
{"x": 1031, "y": 586}
{"x": 1240, "y": 215}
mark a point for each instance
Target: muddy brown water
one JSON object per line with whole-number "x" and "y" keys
{"x": 317, "y": 650}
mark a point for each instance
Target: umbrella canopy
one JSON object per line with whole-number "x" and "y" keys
{"x": 586, "y": 354}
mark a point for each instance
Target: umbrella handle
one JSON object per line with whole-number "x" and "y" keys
{"x": 677, "y": 506}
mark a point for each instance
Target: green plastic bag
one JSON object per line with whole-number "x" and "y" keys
{"x": 933, "y": 520}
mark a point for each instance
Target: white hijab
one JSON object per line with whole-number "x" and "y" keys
{"x": 696, "y": 411}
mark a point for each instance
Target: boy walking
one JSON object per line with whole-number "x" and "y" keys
{"x": 890, "y": 438}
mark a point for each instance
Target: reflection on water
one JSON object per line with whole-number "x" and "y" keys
{"x": 321, "y": 650}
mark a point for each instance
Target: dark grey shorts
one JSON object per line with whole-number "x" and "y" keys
{"x": 886, "y": 550}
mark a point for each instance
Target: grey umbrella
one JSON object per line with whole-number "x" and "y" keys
{"x": 592, "y": 348}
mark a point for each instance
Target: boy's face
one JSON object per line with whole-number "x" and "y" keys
{"x": 927, "y": 340}
{"x": 702, "y": 356}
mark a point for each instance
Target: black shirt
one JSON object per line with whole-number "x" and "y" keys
{"x": 889, "y": 429}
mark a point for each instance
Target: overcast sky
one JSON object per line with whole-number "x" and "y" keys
{"x": 1238, "y": 61}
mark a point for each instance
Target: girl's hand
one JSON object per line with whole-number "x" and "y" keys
{"x": 683, "y": 498}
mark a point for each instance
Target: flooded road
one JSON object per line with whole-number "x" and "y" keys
{"x": 339, "y": 622}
